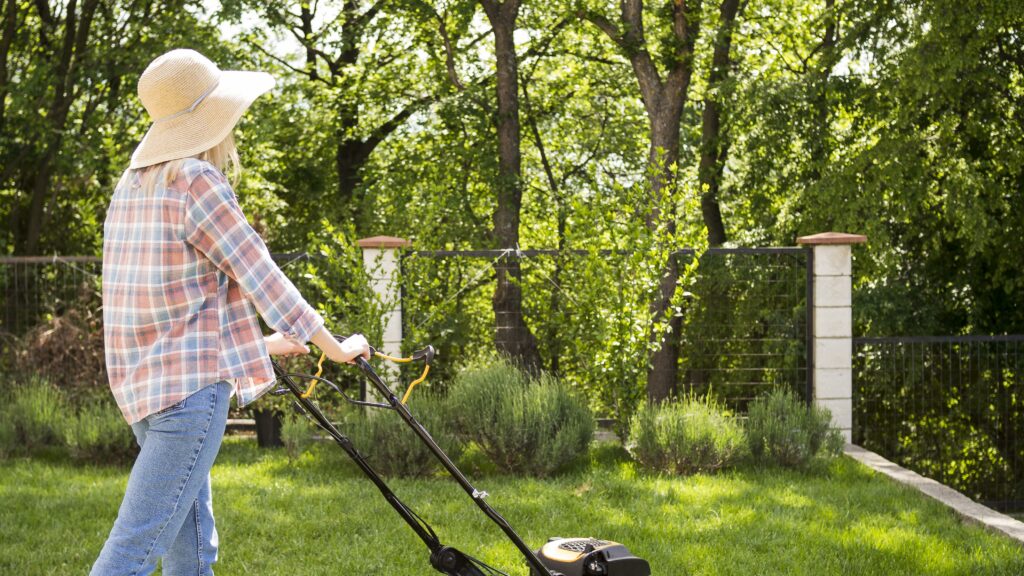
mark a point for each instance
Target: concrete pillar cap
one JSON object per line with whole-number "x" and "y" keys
{"x": 825, "y": 238}
{"x": 383, "y": 242}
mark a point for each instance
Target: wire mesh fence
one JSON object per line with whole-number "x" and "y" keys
{"x": 36, "y": 288}
{"x": 950, "y": 408}
{"x": 744, "y": 316}
{"x": 51, "y": 312}
{"x": 33, "y": 287}
{"x": 746, "y": 327}
{"x": 744, "y": 330}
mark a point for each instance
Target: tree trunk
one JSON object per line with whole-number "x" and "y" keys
{"x": 663, "y": 101}
{"x": 819, "y": 145}
{"x": 711, "y": 155}
{"x": 662, "y": 374}
{"x": 73, "y": 48}
{"x": 10, "y": 27}
{"x": 350, "y": 160}
{"x": 512, "y": 337}
{"x": 306, "y": 17}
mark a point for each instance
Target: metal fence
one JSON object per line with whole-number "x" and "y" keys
{"x": 744, "y": 329}
{"x": 33, "y": 287}
{"x": 745, "y": 325}
{"x": 747, "y": 328}
{"x": 950, "y": 408}
{"x": 36, "y": 288}
{"x": 38, "y": 292}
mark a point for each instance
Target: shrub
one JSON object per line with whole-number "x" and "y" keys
{"x": 38, "y": 411}
{"x": 66, "y": 347}
{"x": 783, "y": 430}
{"x": 686, "y": 436}
{"x": 8, "y": 434}
{"x": 296, "y": 434}
{"x": 99, "y": 433}
{"x": 524, "y": 425}
{"x": 392, "y": 447}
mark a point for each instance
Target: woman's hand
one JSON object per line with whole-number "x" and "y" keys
{"x": 280, "y": 345}
{"x": 353, "y": 347}
{"x": 342, "y": 352}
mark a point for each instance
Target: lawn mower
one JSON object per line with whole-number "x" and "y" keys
{"x": 558, "y": 557}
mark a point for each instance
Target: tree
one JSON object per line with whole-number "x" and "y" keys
{"x": 512, "y": 336}
{"x": 664, "y": 100}
{"x": 70, "y": 63}
{"x": 355, "y": 82}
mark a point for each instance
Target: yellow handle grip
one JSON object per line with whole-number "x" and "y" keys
{"x": 319, "y": 371}
{"x": 415, "y": 382}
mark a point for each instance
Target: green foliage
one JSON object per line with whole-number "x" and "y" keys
{"x": 40, "y": 415}
{"x": 296, "y": 434}
{"x": 783, "y": 430}
{"x": 39, "y": 412}
{"x": 8, "y": 432}
{"x": 685, "y": 436}
{"x": 99, "y": 433}
{"x": 530, "y": 426}
{"x": 392, "y": 447}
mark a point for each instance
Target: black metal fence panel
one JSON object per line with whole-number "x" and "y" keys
{"x": 746, "y": 325}
{"x": 47, "y": 300}
{"x": 745, "y": 320}
{"x": 949, "y": 408}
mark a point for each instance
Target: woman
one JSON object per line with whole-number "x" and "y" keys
{"x": 182, "y": 270}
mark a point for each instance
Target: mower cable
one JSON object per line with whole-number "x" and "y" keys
{"x": 408, "y": 391}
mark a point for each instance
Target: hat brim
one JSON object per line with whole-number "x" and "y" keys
{"x": 205, "y": 126}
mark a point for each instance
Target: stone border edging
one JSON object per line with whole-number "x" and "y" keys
{"x": 962, "y": 505}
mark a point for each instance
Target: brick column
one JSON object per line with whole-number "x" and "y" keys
{"x": 832, "y": 345}
{"x": 380, "y": 260}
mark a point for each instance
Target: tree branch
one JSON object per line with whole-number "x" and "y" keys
{"x": 392, "y": 124}
{"x": 449, "y": 55}
{"x": 285, "y": 63}
{"x": 605, "y": 25}
{"x": 361, "y": 20}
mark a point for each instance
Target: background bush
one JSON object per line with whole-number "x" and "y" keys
{"x": 783, "y": 430}
{"x": 524, "y": 425}
{"x": 66, "y": 347}
{"x": 38, "y": 411}
{"x": 686, "y": 436}
{"x": 8, "y": 432}
{"x": 99, "y": 433}
{"x": 392, "y": 447}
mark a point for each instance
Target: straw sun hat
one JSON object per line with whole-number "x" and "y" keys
{"x": 193, "y": 103}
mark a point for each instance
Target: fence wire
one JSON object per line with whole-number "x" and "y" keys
{"x": 950, "y": 408}
{"x": 745, "y": 326}
{"x": 744, "y": 320}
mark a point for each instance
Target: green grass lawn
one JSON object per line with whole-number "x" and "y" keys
{"x": 319, "y": 516}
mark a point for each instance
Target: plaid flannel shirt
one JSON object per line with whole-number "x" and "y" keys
{"x": 182, "y": 269}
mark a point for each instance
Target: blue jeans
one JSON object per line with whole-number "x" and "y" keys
{"x": 167, "y": 511}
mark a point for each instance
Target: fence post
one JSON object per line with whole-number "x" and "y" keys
{"x": 380, "y": 260}
{"x": 832, "y": 345}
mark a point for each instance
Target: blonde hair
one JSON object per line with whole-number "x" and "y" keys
{"x": 224, "y": 156}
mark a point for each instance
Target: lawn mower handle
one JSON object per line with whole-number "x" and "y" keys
{"x": 443, "y": 558}
{"x": 425, "y": 354}
{"x": 478, "y": 496}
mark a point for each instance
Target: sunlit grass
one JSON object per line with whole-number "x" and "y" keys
{"x": 319, "y": 516}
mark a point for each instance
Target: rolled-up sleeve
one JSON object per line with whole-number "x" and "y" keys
{"x": 216, "y": 226}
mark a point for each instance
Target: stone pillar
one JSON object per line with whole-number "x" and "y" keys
{"x": 380, "y": 260}
{"x": 832, "y": 346}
